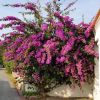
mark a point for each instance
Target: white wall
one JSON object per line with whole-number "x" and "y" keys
{"x": 96, "y": 91}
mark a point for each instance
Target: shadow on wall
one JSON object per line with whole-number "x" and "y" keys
{"x": 66, "y": 91}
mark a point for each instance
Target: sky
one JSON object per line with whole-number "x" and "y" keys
{"x": 88, "y": 8}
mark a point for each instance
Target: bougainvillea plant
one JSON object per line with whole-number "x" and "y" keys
{"x": 50, "y": 51}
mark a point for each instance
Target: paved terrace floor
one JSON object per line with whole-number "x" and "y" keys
{"x": 7, "y": 90}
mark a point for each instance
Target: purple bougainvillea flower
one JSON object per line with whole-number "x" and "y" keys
{"x": 60, "y": 33}
{"x": 88, "y": 30}
{"x": 36, "y": 77}
{"x": 20, "y": 28}
{"x": 2, "y": 26}
{"x": 70, "y": 33}
{"x": 49, "y": 56}
{"x": 30, "y": 6}
{"x": 26, "y": 61}
{"x": 44, "y": 27}
{"x": 66, "y": 18}
{"x": 16, "y": 5}
{"x": 69, "y": 45}
{"x": 59, "y": 25}
{"x": 87, "y": 33}
{"x": 67, "y": 69}
{"x": 10, "y": 18}
{"x": 1, "y": 43}
{"x": 60, "y": 59}
{"x": 58, "y": 15}
{"x": 79, "y": 67}
{"x": 43, "y": 58}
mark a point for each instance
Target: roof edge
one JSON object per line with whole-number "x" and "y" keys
{"x": 96, "y": 18}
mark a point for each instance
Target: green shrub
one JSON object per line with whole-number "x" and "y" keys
{"x": 1, "y": 60}
{"x": 1, "y": 55}
{"x": 9, "y": 65}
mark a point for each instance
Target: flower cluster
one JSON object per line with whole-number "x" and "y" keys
{"x": 55, "y": 51}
